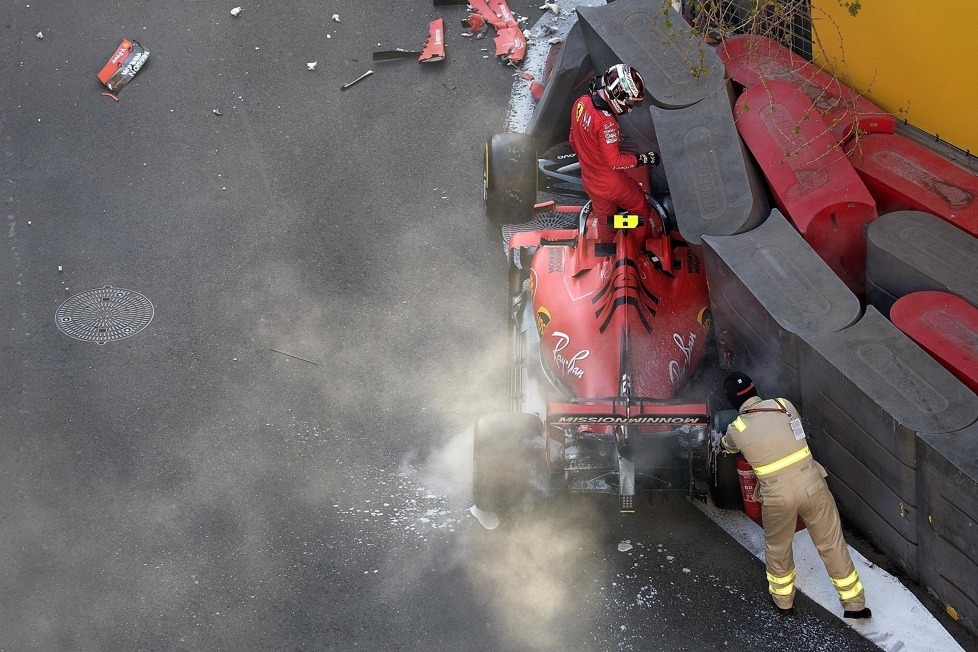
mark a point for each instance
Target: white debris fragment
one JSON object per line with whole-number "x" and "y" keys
{"x": 336, "y": 17}
{"x": 39, "y": 35}
{"x": 311, "y": 65}
{"x": 60, "y": 268}
{"x": 487, "y": 519}
{"x": 236, "y": 12}
{"x": 551, "y": 6}
{"x": 555, "y": 41}
{"x": 624, "y": 546}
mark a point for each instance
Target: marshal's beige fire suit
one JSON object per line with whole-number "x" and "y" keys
{"x": 791, "y": 483}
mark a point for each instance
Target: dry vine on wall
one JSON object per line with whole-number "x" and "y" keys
{"x": 788, "y": 22}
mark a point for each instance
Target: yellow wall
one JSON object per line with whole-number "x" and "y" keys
{"x": 917, "y": 59}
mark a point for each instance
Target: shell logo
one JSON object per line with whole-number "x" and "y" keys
{"x": 543, "y": 319}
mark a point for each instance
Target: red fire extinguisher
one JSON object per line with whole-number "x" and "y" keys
{"x": 748, "y": 482}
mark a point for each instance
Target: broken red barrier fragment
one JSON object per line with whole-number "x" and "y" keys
{"x": 434, "y": 46}
{"x": 509, "y": 40}
{"x": 129, "y": 57}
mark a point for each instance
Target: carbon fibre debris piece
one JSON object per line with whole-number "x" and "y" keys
{"x": 433, "y": 50}
{"x": 396, "y": 53}
{"x": 357, "y": 80}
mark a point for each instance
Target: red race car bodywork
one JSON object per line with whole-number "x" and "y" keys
{"x": 607, "y": 341}
{"x": 642, "y": 313}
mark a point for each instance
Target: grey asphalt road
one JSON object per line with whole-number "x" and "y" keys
{"x": 278, "y": 460}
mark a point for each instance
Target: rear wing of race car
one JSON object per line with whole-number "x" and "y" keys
{"x": 627, "y": 423}
{"x": 613, "y": 412}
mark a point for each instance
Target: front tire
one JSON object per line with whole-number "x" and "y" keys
{"x": 510, "y": 178}
{"x": 503, "y": 459}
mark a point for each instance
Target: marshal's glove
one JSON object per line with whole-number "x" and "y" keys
{"x": 649, "y": 158}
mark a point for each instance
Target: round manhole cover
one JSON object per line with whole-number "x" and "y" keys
{"x": 104, "y": 315}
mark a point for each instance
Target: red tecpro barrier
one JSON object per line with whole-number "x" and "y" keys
{"x": 812, "y": 181}
{"x": 904, "y": 175}
{"x": 750, "y": 59}
{"x": 944, "y": 325}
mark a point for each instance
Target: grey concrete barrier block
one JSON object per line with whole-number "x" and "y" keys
{"x": 910, "y": 251}
{"x": 769, "y": 289}
{"x": 679, "y": 67}
{"x": 867, "y": 391}
{"x": 716, "y": 188}
{"x": 573, "y": 69}
{"x": 948, "y": 520}
{"x": 882, "y": 515}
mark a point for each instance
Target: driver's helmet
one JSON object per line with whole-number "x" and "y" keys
{"x": 622, "y": 87}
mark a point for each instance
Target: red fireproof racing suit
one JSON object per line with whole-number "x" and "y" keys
{"x": 594, "y": 136}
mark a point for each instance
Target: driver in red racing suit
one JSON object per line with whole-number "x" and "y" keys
{"x": 594, "y": 136}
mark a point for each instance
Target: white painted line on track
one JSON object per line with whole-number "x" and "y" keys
{"x": 899, "y": 623}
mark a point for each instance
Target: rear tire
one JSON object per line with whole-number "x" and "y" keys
{"x": 503, "y": 458}
{"x": 510, "y": 178}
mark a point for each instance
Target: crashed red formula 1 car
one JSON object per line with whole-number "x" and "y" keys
{"x": 607, "y": 338}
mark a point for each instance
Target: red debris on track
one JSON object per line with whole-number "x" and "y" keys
{"x": 510, "y": 41}
{"x": 127, "y": 60}
{"x": 434, "y": 46}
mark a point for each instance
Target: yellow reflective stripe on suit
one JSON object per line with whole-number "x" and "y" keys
{"x": 781, "y": 585}
{"x": 739, "y": 424}
{"x": 852, "y": 581}
{"x": 788, "y": 460}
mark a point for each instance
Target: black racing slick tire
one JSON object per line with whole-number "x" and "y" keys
{"x": 510, "y": 178}
{"x": 725, "y": 483}
{"x": 503, "y": 459}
